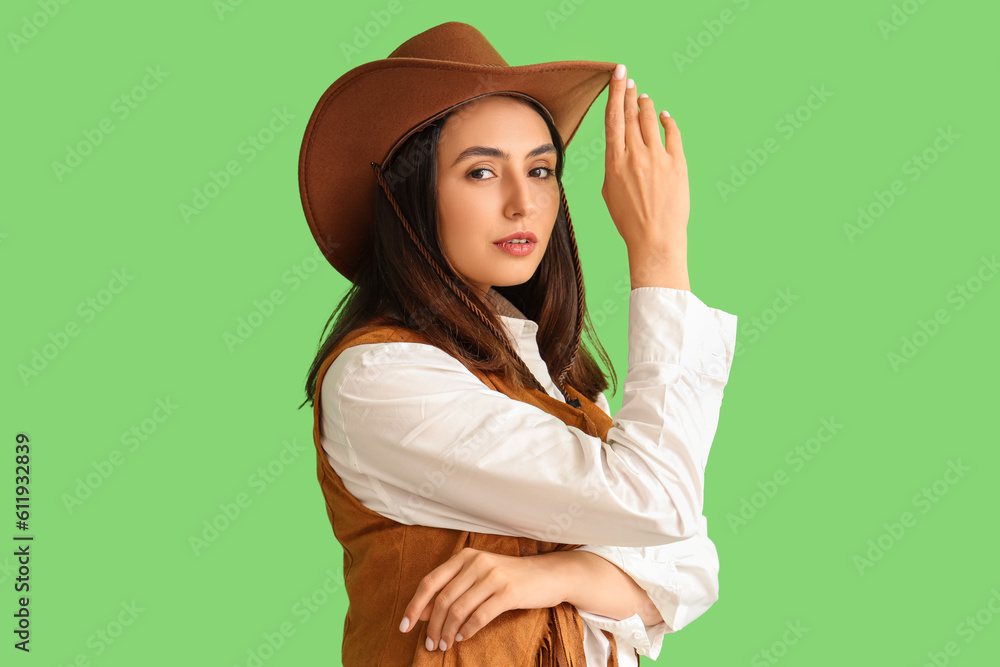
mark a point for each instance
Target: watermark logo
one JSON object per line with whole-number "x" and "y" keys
{"x": 923, "y": 500}
{"x": 926, "y": 330}
{"x": 899, "y": 16}
{"x": 122, "y": 107}
{"x": 914, "y": 167}
{"x": 248, "y": 150}
{"x": 786, "y": 126}
{"x": 698, "y": 43}
{"x": 779, "y": 648}
{"x": 796, "y": 458}
{"x": 88, "y": 310}
{"x": 30, "y": 25}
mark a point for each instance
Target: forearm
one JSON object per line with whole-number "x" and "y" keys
{"x": 598, "y": 586}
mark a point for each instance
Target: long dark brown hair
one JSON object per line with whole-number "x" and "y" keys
{"x": 400, "y": 284}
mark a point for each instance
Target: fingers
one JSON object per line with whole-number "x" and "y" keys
{"x": 630, "y": 120}
{"x": 614, "y": 119}
{"x": 647, "y": 122}
{"x": 459, "y": 609}
{"x": 633, "y": 134}
{"x": 461, "y": 584}
{"x": 672, "y": 142}
{"x": 435, "y": 580}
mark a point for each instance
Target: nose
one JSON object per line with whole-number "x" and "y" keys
{"x": 519, "y": 198}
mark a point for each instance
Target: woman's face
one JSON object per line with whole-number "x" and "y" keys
{"x": 496, "y": 178}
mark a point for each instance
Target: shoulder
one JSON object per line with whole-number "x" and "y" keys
{"x": 393, "y": 369}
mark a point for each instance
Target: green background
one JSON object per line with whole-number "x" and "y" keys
{"x": 823, "y": 304}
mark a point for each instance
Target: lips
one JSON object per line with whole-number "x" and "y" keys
{"x": 519, "y": 235}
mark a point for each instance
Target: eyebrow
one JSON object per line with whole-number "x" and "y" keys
{"x": 492, "y": 151}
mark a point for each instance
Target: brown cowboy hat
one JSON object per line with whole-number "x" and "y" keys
{"x": 371, "y": 110}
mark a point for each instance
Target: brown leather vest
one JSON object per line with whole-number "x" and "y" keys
{"x": 384, "y": 560}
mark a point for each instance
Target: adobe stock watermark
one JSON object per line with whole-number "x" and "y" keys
{"x": 961, "y": 294}
{"x": 304, "y": 609}
{"x": 258, "y": 481}
{"x": 121, "y": 108}
{"x": 923, "y": 501}
{"x": 915, "y": 166}
{"x": 749, "y": 334}
{"x": 581, "y": 156}
{"x": 264, "y": 309}
{"x": 88, "y": 310}
{"x": 971, "y": 626}
{"x": 696, "y": 44}
{"x": 248, "y": 149}
{"x": 796, "y": 458}
{"x": 789, "y": 123}
{"x": 561, "y": 11}
{"x": 107, "y": 635}
{"x": 779, "y": 647}
{"x": 363, "y": 34}
{"x": 35, "y": 21}
{"x": 898, "y": 17}
{"x": 105, "y": 467}
{"x": 224, "y": 7}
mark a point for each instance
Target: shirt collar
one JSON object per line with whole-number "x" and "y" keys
{"x": 523, "y": 334}
{"x": 518, "y": 325}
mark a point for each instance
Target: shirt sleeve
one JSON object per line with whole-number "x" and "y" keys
{"x": 681, "y": 579}
{"x": 420, "y": 426}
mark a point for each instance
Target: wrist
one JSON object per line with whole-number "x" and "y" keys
{"x": 570, "y": 573}
{"x": 660, "y": 265}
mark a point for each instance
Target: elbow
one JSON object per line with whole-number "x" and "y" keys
{"x": 699, "y": 590}
{"x": 676, "y": 525}
{"x": 694, "y": 608}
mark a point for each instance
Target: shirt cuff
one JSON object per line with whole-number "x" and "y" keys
{"x": 664, "y": 592}
{"x": 669, "y": 325}
{"x": 645, "y": 639}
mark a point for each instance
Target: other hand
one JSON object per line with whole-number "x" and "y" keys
{"x": 473, "y": 587}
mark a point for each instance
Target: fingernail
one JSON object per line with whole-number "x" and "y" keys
{"x": 643, "y": 95}
{"x": 444, "y": 647}
{"x": 630, "y": 83}
{"x": 404, "y": 625}
{"x": 429, "y": 644}
{"x": 665, "y": 113}
{"x": 459, "y": 637}
{"x": 619, "y": 71}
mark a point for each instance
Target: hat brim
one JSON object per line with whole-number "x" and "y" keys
{"x": 365, "y": 113}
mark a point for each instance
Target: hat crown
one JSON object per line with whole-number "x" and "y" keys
{"x": 452, "y": 42}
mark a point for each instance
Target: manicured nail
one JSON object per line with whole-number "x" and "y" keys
{"x": 643, "y": 95}
{"x": 459, "y": 637}
{"x": 404, "y": 625}
{"x": 619, "y": 71}
{"x": 630, "y": 83}
{"x": 444, "y": 647}
{"x": 665, "y": 114}
{"x": 429, "y": 644}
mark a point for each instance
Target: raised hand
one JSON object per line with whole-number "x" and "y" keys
{"x": 646, "y": 184}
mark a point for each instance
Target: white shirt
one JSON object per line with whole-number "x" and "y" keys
{"x": 416, "y": 437}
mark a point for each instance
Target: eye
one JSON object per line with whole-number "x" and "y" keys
{"x": 548, "y": 173}
{"x": 474, "y": 171}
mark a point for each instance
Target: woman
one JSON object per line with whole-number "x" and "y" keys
{"x": 490, "y": 515}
